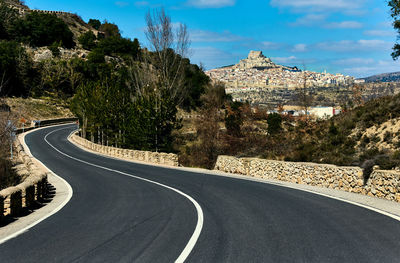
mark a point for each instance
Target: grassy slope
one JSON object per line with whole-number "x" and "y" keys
{"x": 37, "y": 109}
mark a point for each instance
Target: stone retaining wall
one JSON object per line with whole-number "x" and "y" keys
{"x": 33, "y": 188}
{"x": 382, "y": 184}
{"x": 144, "y": 156}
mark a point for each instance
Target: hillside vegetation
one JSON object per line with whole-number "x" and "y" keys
{"x": 123, "y": 94}
{"x": 132, "y": 97}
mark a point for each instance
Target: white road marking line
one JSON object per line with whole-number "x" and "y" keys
{"x": 69, "y": 194}
{"x": 200, "y": 217}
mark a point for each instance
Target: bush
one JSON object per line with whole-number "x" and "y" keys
{"x": 8, "y": 177}
{"x": 95, "y": 23}
{"x": 87, "y": 40}
{"x": 110, "y": 30}
{"x": 37, "y": 29}
{"x": 367, "y": 166}
{"x": 115, "y": 45}
{"x": 96, "y": 56}
{"x": 16, "y": 71}
{"x": 234, "y": 119}
{"x": 55, "y": 50}
{"x": 274, "y": 121}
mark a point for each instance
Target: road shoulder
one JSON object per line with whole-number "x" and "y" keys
{"x": 63, "y": 193}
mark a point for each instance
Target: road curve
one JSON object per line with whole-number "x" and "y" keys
{"x": 116, "y": 218}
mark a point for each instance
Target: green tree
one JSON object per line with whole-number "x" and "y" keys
{"x": 55, "y": 49}
{"x": 395, "y": 13}
{"x": 114, "y": 46}
{"x": 196, "y": 83}
{"x": 110, "y": 29}
{"x": 95, "y": 23}
{"x": 234, "y": 119}
{"x": 274, "y": 121}
{"x": 8, "y": 16}
{"x": 16, "y": 69}
{"x": 37, "y": 29}
{"x": 87, "y": 40}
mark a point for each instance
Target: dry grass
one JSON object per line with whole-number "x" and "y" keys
{"x": 36, "y": 109}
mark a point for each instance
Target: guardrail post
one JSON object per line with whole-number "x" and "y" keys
{"x": 30, "y": 196}
{"x": 1, "y": 208}
{"x": 16, "y": 203}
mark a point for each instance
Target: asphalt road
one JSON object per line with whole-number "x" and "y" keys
{"x": 116, "y": 218}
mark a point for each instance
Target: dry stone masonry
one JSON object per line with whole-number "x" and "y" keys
{"x": 382, "y": 184}
{"x": 143, "y": 156}
{"x": 33, "y": 188}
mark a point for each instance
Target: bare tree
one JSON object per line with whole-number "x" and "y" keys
{"x": 357, "y": 91}
{"x": 304, "y": 96}
{"x": 142, "y": 77}
{"x": 170, "y": 47}
{"x": 3, "y": 82}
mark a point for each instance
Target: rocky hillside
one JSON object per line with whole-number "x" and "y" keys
{"x": 74, "y": 22}
{"x": 385, "y": 77}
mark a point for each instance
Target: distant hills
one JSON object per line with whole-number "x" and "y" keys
{"x": 385, "y": 77}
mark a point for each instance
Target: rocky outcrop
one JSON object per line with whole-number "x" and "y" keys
{"x": 382, "y": 184}
{"x": 256, "y": 59}
{"x": 43, "y": 53}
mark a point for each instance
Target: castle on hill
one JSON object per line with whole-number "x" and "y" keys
{"x": 259, "y": 72}
{"x": 257, "y": 60}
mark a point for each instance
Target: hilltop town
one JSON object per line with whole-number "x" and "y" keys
{"x": 258, "y": 71}
{"x": 258, "y": 80}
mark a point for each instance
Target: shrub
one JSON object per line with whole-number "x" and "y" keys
{"x": 16, "y": 71}
{"x": 274, "y": 121}
{"x": 87, "y": 40}
{"x": 115, "y": 45}
{"x": 37, "y": 29}
{"x": 96, "y": 56}
{"x": 367, "y": 166}
{"x": 8, "y": 177}
{"x": 387, "y": 137}
{"x": 95, "y": 23}
{"x": 110, "y": 30}
{"x": 55, "y": 50}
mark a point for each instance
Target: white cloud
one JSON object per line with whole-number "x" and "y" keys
{"x": 372, "y": 68}
{"x": 121, "y": 3}
{"x": 209, "y": 36}
{"x": 267, "y": 45}
{"x": 285, "y": 60}
{"x": 299, "y": 48}
{"x": 354, "y": 61}
{"x": 309, "y": 20}
{"x": 344, "y": 24}
{"x": 380, "y": 33}
{"x": 319, "y": 20}
{"x": 211, "y": 3}
{"x": 319, "y": 5}
{"x": 350, "y": 46}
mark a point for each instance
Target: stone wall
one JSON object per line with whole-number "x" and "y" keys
{"x": 382, "y": 184}
{"x": 134, "y": 155}
{"x": 24, "y": 195}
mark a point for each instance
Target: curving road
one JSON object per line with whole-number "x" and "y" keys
{"x": 113, "y": 217}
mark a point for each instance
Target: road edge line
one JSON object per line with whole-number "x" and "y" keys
{"x": 58, "y": 208}
{"x": 252, "y": 179}
{"x": 200, "y": 215}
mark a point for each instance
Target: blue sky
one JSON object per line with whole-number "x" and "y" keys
{"x": 352, "y": 37}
